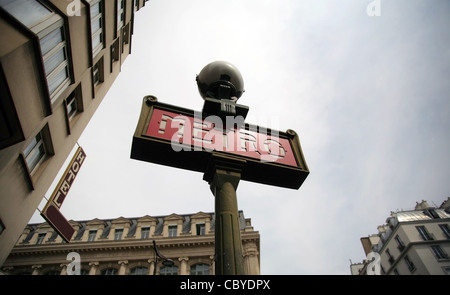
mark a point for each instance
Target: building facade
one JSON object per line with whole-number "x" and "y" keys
{"x": 58, "y": 59}
{"x": 412, "y": 242}
{"x": 124, "y": 246}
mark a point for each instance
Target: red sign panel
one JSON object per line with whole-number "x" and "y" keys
{"x": 182, "y": 138}
{"x": 210, "y": 134}
{"x": 59, "y": 223}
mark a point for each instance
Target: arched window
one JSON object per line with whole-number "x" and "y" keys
{"x": 139, "y": 270}
{"x": 200, "y": 269}
{"x": 109, "y": 271}
{"x": 168, "y": 270}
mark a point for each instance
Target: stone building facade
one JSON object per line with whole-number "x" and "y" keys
{"x": 124, "y": 246}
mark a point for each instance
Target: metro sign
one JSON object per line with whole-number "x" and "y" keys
{"x": 182, "y": 138}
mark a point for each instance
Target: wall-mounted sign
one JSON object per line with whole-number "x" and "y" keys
{"x": 183, "y": 138}
{"x": 51, "y": 211}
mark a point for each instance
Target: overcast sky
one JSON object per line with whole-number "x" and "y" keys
{"x": 368, "y": 96}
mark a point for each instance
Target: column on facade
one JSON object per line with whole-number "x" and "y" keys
{"x": 36, "y": 269}
{"x": 123, "y": 267}
{"x": 251, "y": 262}
{"x": 183, "y": 266}
{"x": 93, "y": 269}
{"x": 212, "y": 268}
{"x": 63, "y": 269}
{"x": 151, "y": 269}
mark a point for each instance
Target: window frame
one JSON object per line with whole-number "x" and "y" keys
{"x": 118, "y": 231}
{"x": 438, "y": 252}
{"x": 145, "y": 232}
{"x": 445, "y": 230}
{"x": 198, "y": 272}
{"x": 424, "y": 234}
{"x": 92, "y": 235}
{"x": 172, "y": 230}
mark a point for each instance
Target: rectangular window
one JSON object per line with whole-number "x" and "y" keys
{"x": 400, "y": 244}
{"x": 118, "y": 234}
{"x": 390, "y": 257}
{"x": 35, "y": 153}
{"x": 53, "y": 48}
{"x": 28, "y": 12}
{"x": 200, "y": 229}
{"x": 2, "y": 227}
{"x": 49, "y": 27}
{"x": 439, "y": 252}
{"x": 71, "y": 105}
{"x": 126, "y": 34}
{"x": 92, "y": 235}
{"x": 10, "y": 128}
{"x": 115, "y": 52}
{"x": 410, "y": 264}
{"x": 120, "y": 13}
{"x": 40, "y": 238}
{"x": 145, "y": 232}
{"x": 172, "y": 230}
{"x": 445, "y": 229}
{"x": 97, "y": 33}
{"x": 424, "y": 233}
{"x": 98, "y": 72}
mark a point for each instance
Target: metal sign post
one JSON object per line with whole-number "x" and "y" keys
{"x": 218, "y": 143}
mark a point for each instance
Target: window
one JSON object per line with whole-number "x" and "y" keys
{"x": 49, "y": 27}
{"x": 172, "y": 230}
{"x": 169, "y": 270}
{"x": 439, "y": 252}
{"x": 120, "y": 13}
{"x": 92, "y": 235}
{"x": 200, "y": 229}
{"x": 109, "y": 271}
{"x": 145, "y": 232}
{"x": 71, "y": 106}
{"x": 410, "y": 265}
{"x": 97, "y": 34}
{"x": 126, "y": 35}
{"x": 140, "y": 270}
{"x": 40, "y": 238}
{"x": 200, "y": 269}
{"x": 424, "y": 233}
{"x": 115, "y": 52}
{"x": 35, "y": 153}
{"x": 10, "y": 129}
{"x": 53, "y": 49}
{"x": 118, "y": 234}
{"x": 390, "y": 257}
{"x": 400, "y": 244}
{"x": 445, "y": 229}
{"x": 98, "y": 72}
{"x": 28, "y": 12}
{"x": 396, "y": 272}
{"x": 2, "y": 227}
